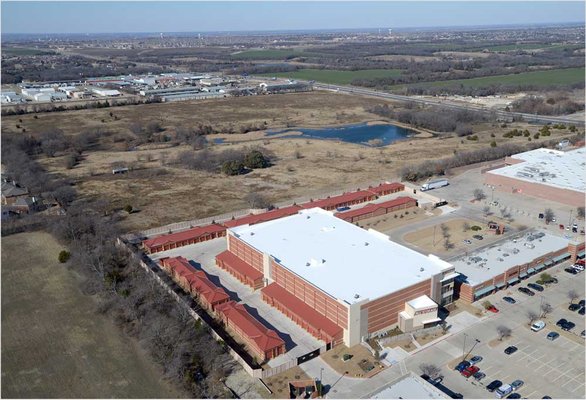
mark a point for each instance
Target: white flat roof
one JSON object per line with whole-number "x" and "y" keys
{"x": 491, "y": 261}
{"x": 422, "y": 302}
{"x": 556, "y": 168}
{"x": 409, "y": 386}
{"x": 338, "y": 257}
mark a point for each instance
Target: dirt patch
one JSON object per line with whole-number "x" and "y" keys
{"x": 431, "y": 239}
{"x": 279, "y": 384}
{"x": 425, "y": 338}
{"x": 54, "y": 345}
{"x": 361, "y": 363}
{"x": 406, "y": 345}
{"x": 394, "y": 219}
{"x": 496, "y": 342}
{"x": 464, "y": 306}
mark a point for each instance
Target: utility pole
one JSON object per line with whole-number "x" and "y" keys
{"x": 475, "y": 343}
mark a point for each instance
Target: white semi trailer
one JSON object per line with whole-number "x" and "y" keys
{"x": 434, "y": 184}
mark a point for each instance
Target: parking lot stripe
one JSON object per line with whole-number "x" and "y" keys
{"x": 577, "y": 387}
{"x": 531, "y": 395}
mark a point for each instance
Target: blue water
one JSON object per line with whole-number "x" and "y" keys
{"x": 219, "y": 140}
{"x": 360, "y": 133}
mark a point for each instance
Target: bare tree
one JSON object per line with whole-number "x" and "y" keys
{"x": 430, "y": 370}
{"x": 465, "y": 227}
{"x": 548, "y": 215}
{"x": 546, "y": 308}
{"x": 445, "y": 230}
{"x": 257, "y": 200}
{"x": 486, "y": 211}
{"x": 479, "y": 194}
{"x": 532, "y": 316}
{"x": 503, "y": 332}
{"x": 580, "y": 212}
{"x": 572, "y": 295}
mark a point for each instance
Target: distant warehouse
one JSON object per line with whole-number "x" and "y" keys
{"x": 547, "y": 174}
{"x": 292, "y": 87}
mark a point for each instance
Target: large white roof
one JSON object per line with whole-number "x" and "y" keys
{"x": 338, "y": 257}
{"x": 495, "y": 259}
{"x": 549, "y": 167}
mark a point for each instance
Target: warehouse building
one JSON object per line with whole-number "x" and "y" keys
{"x": 507, "y": 263}
{"x": 338, "y": 281}
{"x": 544, "y": 173}
{"x": 377, "y": 209}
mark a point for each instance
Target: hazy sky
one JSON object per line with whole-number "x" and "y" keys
{"x": 145, "y": 16}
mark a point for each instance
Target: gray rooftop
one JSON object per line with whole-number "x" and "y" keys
{"x": 493, "y": 260}
{"x": 409, "y": 386}
{"x": 556, "y": 168}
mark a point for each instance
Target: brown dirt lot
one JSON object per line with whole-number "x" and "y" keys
{"x": 359, "y": 353}
{"x": 279, "y": 384}
{"x": 54, "y": 345}
{"x": 424, "y": 238}
{"x": 167, "y": 194}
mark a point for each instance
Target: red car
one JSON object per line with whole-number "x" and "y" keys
{"x": 471, "y": 370}
{"x": 493, "y": 309}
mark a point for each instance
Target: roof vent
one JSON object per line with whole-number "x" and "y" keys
{"x": 323, "y": 260}
{"x": 308, "y": 217}
{"x": 251, "y": 233}
{"x": 356, "y": 296}
{"x": 421, "y": 269}
{"x": 307, "y": 264}
{"x": 366, "y": 243}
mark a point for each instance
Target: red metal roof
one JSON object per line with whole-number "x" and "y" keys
{"x": 183, "y": 235}
{"x": 180, "y": 265}
{"x": 266, "y": 216}
{"x": 336, "y": 200}
{"x": 394, "y": 186}
{"x": 302, "y": 310}
{"x": 240, "y": 265}
{"x": 265, "y": 338}
{"x": 373, "y": 207}
{"x": 212, "y": 293}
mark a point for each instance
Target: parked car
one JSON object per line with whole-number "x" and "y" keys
{"x": 510, "y": 350}
{"x": 535, "y": 286}
{"x": 494, "y": 203}
{"x": 514, "y": 396}
{"x": 553, "y": 335}
{"x": 526, "y": 291}
{"x": 478, "y": 237}
{"x": 571, "y": 270}
{"x": 568, "y": 326}
{"x": 582, "y": 302}
{"x": 574, "y": 307}
{"x": 493, "y": 309}
{"x": 471, "y": 370}
{"x": 494, "y": 385}
{"x": 509, "y": 300}
{"x": 578, "y": 267}
{"x": 462, "y": 366}
{"x": 479, "y": 376}
{"x": 537, "y": 326}
{"x": 581, "y": 312}
{"x": 340, "y": 209}
{"x": 503, "y": 391}
{"x": 475, "y": 360}
{"x": 561, "y": 322}
{"x": 583, "y": 334}
{"x": 517, "y": 384}
{"x": 467, "y": 241}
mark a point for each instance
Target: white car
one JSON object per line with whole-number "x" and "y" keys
{"x": 578, "y": 267}
{"x": 537, "y": 326}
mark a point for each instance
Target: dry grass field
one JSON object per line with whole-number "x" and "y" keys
{"x": 302, "y": 167}
{"x": 54, "y": 345}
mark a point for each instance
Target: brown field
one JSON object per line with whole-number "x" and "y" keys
{"x": 167, "y": 194}
{"x": 399, "y": 57}
{"x": 424, "y": 238}
{"x": 54, "y": 345}
{"x": 472, "y": 54}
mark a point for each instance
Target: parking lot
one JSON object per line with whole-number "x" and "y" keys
{"x": 553, "y": 368}
{"x": 298, "y": 342}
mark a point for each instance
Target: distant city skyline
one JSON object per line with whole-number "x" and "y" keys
{"x": 143, "y": 16}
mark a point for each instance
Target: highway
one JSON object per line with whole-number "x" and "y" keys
{"x": 473, "y": 107}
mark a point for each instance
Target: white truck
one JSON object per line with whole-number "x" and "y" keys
{"x": 434, "y": 184}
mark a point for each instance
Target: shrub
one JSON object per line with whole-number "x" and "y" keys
{"x": 475, "y": 228}
{"x": 255, "y": 159}
{"x": 234, "y": 167}
{"x": 493, "y": 144}
{"x": 128, "y": 208}
{"x": 64, "y": 255}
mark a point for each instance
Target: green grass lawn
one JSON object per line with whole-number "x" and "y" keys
{"x": 336, "y": 76}
{"x": 22, "y": 51}
{"x": 566, "y": 76}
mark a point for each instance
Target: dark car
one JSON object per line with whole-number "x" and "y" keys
{"x": 552, "y": 335}
{"x": 561, "y": 322}
{"x": 526, "y": 291}
{"x": 479, "y": 376}
{"x": 494, "y": 385}
{"x": 568, "y": 326}
{"x": 574, "y": 307}
{"x": 478, "y": 237}
{"x": 535, "y": 286}
{"x": 582, "y": 303}
{"x": 571, "y": 270}
{"x": 462, "y": 366}
{"x": 510, "y": 350}
{"x": 475, "y": 360}
{"x": 509, "y": 300}
{"x": 514, "y": 396}
{"x": 581, "y": 312}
